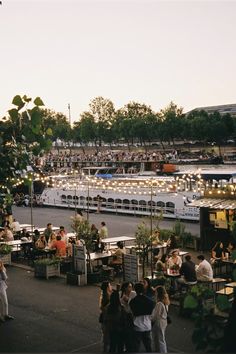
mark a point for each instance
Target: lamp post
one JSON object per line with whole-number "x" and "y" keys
{"x": 151, "y": 227}
{"x": 69, "y": 114}
{"x": 88, "y": 201}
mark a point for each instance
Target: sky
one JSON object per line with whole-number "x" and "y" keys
{"x": 147, "y": 51}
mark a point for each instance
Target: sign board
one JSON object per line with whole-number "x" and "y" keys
{"x": 79, "y": 259}
{"x": 131, "y": 267}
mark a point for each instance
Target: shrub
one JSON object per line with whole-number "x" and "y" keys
{"x": 5, "y": 249}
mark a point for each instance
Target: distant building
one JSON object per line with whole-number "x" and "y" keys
{"x": 222, "y": 109}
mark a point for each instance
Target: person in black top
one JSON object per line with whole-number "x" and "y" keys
{"x": 187, "y": 271}
{"x": 141, "y": 307}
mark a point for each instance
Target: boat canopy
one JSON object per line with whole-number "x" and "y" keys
{"x": 213, "y": 203}
{"x": 214, "y": 174}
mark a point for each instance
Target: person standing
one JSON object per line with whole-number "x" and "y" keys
{"x": 3, "y": 294}
{"x": 159, "y": 320}
{"x": 142, "y": 307}
{"x": 48, "y": 231}
{"x": 103, "y": 232}
{"x": 106, "y": 291}
{"x": 114, "y": 321}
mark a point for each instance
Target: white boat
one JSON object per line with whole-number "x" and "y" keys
{"x": 137, "y": 194}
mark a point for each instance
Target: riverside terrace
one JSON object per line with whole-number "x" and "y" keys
{"x": 42, "y": 310}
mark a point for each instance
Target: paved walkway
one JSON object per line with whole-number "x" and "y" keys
{"x": 51, "y": 316}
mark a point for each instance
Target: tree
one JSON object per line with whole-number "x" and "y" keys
{"x": 22, "y": 136}
{"x": 58, "y": 123}
{"x": 171, "y": 122}
{"x": 103, "y": 112}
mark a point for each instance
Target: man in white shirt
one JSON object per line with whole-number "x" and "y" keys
{"x": 15, "y": 225}
{"x": 204, "y": 270}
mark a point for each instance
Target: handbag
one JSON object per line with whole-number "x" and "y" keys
{"x": 169, "y": 321}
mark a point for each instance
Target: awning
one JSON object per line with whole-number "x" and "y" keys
{"x": 214, "y": 203}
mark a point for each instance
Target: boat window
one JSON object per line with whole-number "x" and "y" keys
{"x": 160, "y": 204}
{"x": 75, "y": 197}
{"x": 134, "y": 201}
{"x": 118, "y": 201}
{"x": 110, "y": 200}
{"x": 63, "y": 196}
{"x": 126, "y": 203}
{"x": 170, "y": 207}
{"x": 151, "y": 203}
{"x": 81, "y": 197}
{"x": 142, "y": 202}
{"x": 69, "y": 197}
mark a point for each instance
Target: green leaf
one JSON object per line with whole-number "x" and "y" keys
{"x": 17, "y": 101}
{"x": 13, "y": 113}
{"x": 26, "y": 99}
{"x": 234, "y": 274}
{"x": 222, "y": 302}
{"x": 38, "y": 101}
{"x": 36, "y": 117}
{"x": 49, "y": 132}
{"x": 190, "y": 302}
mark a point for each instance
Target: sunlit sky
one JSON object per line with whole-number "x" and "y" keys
{"x": 146, "y": 51}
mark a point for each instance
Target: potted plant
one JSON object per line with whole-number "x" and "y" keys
{"x": 5, "y": 253}
{"x": 47, "y": 267}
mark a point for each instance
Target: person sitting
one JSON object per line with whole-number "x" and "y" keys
{"x": 59, "y": 246}
{"x": 62, "y": 233}
{"x": 175, "y": 261}
{"x": 204, "y": 270}
{"x": 118, "y": 254}
{"x": 7, "y": 234}
{"x": 161, "y": 264}
{"x": 187, "y": 272}
{"x": 217, "y": 252}
{"x": 24, "y": 233}
{"x": 52, "y": 238}
{"x": 41, "y": 243}
{"x": 15, "y": 226}
{"x": 229, "y": 250}
{"x": 36, "y": 235}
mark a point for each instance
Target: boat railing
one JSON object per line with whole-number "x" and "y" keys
{"x": 124, "y": 208}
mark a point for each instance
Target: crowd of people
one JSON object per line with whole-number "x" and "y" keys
{"x": 56, "y": 161}
{"x": 135, "y": 315}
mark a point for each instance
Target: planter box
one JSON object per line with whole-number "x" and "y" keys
{"x": 76, "y": 279}
{"x": 46, "y": 271}
{"x": 6, "y": 258}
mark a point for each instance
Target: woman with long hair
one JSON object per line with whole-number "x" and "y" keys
{"x": 106, "y": 291}
{"x": 159, "y": 320}
{"x": 114, "y": 321}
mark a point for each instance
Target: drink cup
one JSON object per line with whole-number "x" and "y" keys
{"x": 226, "y": 255}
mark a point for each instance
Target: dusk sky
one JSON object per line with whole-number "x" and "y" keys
{"x": 150, "y": 52}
